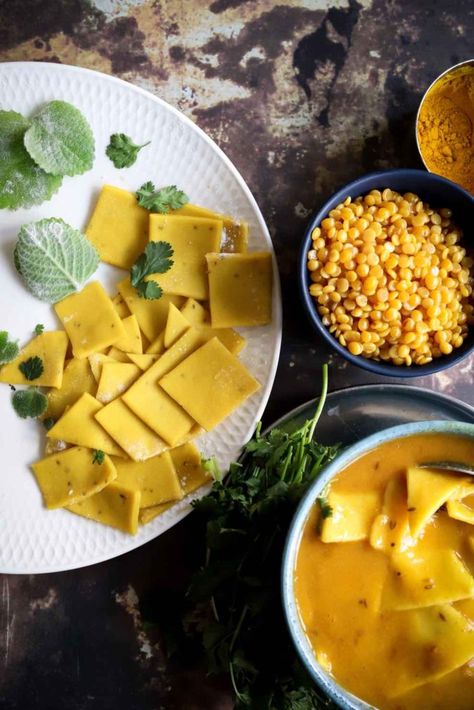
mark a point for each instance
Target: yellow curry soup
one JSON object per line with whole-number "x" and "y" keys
{"x": 391, "y": 615}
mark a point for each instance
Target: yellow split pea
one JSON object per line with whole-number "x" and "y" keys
{"x": 390, "y": 279}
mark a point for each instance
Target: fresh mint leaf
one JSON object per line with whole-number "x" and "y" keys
{"x": 60, "y": 140}
{"x": 156, "y": 259}
{"x": 22, "y": 182}
{"x": 54, "y": 259}
{"x": 29, "y": 403}
{"x": 122, "y": 151}
{"x": 98, "y": 457}
{"x": 8, "y": 349}
{"x": 39, "y": 329}
{"x": 32, "y": 368}
{"x": 164, "y": 200}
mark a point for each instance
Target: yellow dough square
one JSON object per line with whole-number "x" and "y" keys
{"x": 90, "y": 319}
{"x": 132, "y": 435}
{"x": 144, "y": 361}
{"x": 176, "y": 326}
{"x": 120, "y": 306}
{"x": 79, "y": 426}
{"x": 191, "y": 475}
{"x": 390, "y": 531}
{"x": 97, "y": 362}
{"x": 240, "y": 289}
{"x": 159, "y": 411}
{"x": 118, "y": 227}
{"x": 132, "y": 342}
{"x": 156, "y": 479}
{"x": 72, "y": 475}
{"x": 191, "y": 239}
{"x": 428, "y": 490}
{"x": 115, "y": 379}
{"x": 117, "y": 355}
{"x": 157, "y": 346}
{"x": 352, "y": 516}
{"x": 116, "y": 505}
{"x": 235, "y": 234}
{"x": 436, "y": 641}
{"x": 426, "y": 578}
{"x": 51, "y": 347}
{"x": 233, "y": 341}
{"x": 194, "y": 312}
{"x": 77, "y": 379}
{"x": 209, "y": 384}
{"x": 151, "y": 315}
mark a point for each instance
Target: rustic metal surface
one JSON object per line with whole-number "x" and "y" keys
{"x": 303, "y": 95}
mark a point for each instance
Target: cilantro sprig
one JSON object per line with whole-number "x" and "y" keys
{"x": 164, "y": 200}
{"x": 32, "y": 368}
{"x": 8, "y": 348}
{"x": 39, "y": 329}
{"x": 29, "y": 403}
{"x": 122, "y": 151}
{"x": 236, "y": 605}
{"x": 156, "y": 259}
{"x": 98, "y": 457}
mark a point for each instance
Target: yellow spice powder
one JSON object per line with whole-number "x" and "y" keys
{"x": 445, "y": 127}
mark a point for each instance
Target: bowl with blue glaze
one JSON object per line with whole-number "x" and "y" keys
{"x": 438, "y": 192}
{"x": 328, "y": 684}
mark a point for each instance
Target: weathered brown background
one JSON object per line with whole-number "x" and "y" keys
{"x": 303, "y": 95}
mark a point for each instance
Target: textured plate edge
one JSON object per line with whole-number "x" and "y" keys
{"x": 277, "y": 315}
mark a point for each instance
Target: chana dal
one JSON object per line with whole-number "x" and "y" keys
{"x": 384, "y": 577}
{"x": 390, "y": 278}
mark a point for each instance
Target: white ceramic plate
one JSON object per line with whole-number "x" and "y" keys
{"x": 33, "y": 539}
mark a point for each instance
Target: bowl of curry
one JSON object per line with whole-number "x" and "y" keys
{"x": 378, "y": 572}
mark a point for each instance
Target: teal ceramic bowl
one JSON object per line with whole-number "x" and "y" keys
{"x": 326, "y": 682}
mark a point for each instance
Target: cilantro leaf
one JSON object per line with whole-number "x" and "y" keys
{"x": 325, "y": 508}
{"x": 156, "y": 259}
{"x": 22, "y": 182}
{"x": 164, "y": 200}
{"x": 29, "y": 403}
{"x": 39, "y": 329}
{"x": 236, "y": 596}
{"x": 149, "y": 290}
{"x": 48, "y": 423}
{"x": 60, "y": 140}
{"x": 32, "y": 368}
{"x": 122, "y": 151}
{"x": 8, "y": 349}
{"x": 98, "y": 457}
{"x": 54, "y": 259}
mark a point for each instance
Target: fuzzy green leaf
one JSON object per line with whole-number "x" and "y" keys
{"x": 29, "y": 403}
{"x": 39, "y": 329}
{"x": 60, "y": 139}
{"x": 8, "y": 349}
{"x": 122, "y": 151}
{"x": 22, "y": 182}
{"x": 54, "y": 259}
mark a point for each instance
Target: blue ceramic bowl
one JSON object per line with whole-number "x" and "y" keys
{"x": 431, "y": 188}
{"x": 342, "y": 697}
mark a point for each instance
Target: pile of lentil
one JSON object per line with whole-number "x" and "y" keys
{"x": 390, "y": 278}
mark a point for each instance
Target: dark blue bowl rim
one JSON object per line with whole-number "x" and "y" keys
{"x": 374, "y": 366}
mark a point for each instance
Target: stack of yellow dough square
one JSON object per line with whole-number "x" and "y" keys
{"x": 135, "y": 381}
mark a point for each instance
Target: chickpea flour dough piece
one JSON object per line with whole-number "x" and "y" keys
{"x": 69, "y": 476}
{"x": 90, "y": 319}
{"x": 51, "y": 348}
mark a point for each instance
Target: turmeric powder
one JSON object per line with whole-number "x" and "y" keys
{"x": 446, "y": 127}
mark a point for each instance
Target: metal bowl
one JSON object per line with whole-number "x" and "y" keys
{"x": 451, "y": 70}
{"x": 336, "y": 692}
{"x": 431, "y": 188}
